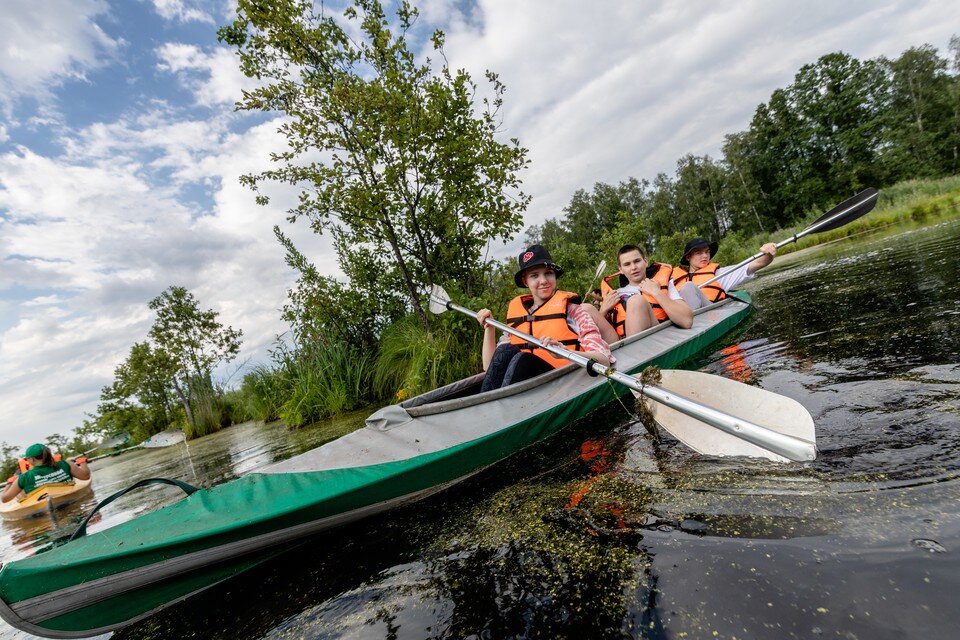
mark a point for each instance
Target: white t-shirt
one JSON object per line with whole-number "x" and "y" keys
{"x": 732, "y": 277}
{"x": 630, "y": 291}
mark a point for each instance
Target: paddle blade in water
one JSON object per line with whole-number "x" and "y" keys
{"x": 847, "y": 211}
{"x": 773, "y": 411}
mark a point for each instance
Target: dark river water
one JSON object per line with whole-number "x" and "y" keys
{"x": 598, "y": 533}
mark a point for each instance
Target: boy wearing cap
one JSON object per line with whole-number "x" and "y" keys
{"x": 555, "y": 317}
{"x": 45, "y": 471}
{"x": 698, "y": 269}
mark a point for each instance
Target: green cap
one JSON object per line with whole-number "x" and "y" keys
{"x": 34, "y": 451}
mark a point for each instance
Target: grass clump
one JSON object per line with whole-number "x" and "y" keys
{"x": 309, "y": 383}
{"x": 413, "y": 360}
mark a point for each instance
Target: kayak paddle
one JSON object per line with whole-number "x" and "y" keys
{"x": 796, "y": 442}
{"x": 157, "y": 440}
{"x": 845, "y": 212}
{"x": 111, "y": 442}
{"x": 600, "y": 269}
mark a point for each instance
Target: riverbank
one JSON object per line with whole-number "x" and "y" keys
{"x": 910, "y": 204}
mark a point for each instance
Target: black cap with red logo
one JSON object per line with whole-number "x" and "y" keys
{"x": 535, "y": 256}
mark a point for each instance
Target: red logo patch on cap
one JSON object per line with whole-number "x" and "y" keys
{"x": 528, "y": 256}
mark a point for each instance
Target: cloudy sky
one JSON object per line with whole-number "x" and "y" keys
{"x": 120, "y": 149}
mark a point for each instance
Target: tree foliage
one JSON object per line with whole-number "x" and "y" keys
{"x": 394, "y": 159}
{"x": 189, "y": 343}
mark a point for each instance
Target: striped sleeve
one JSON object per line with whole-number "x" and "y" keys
{"x": 590, "y": 339}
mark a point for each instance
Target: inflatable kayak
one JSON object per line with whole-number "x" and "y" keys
{"x": 38, "y": 501}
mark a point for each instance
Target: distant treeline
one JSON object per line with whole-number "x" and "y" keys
{"x": 842, "y": 125}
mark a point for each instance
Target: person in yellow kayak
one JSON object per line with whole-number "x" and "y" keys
{"x": 692, "y": 279}
{"x": 555, "y": 317}
{"x": 44, "y": 471}
{"x": 638, "y": 296}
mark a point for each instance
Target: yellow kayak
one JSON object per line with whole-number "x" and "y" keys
{"x": 35, "y": 502}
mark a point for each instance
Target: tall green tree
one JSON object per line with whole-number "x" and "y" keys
{"x": 743, "y": 192}
{"x": 820, "y": 138}
{"x": 700, "y": 193}
{"x": 146, "y": 376}
{"x": 954, "y": 150}
{"x": 920, "y": 117}
{"x": 192, "y": 342}
{"x": 396, "y": 160}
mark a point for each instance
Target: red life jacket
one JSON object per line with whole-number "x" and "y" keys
{"x": 713, "y": 291}
{"x": 659, "y": 272}
{"x": 550, "y": 320}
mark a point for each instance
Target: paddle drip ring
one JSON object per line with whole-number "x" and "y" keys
{"x": 650, "y": 375}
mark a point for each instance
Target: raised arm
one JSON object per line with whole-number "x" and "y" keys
{"x": 768, "y": 250}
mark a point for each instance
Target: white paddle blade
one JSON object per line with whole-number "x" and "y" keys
{"x": 765, "y": 408}
{"x": 600, "y": 269}
{"x": 115, "y": 441}
{"x": 438, "y": 299}
{"x": 164, "y": 439}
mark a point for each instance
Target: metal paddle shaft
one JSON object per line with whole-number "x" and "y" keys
{"x": 784, "y": 445}
{"x": 847, "y": 211}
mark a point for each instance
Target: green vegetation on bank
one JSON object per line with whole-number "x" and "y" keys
{"x": 907, "y": 203}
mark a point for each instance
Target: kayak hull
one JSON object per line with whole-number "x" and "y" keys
{"x": 37, "y": 502}
{"x": 406, "y": 452}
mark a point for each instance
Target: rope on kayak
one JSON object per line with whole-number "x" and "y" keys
{"x": 82, "y": 529}
{"x": 651, "y": 375}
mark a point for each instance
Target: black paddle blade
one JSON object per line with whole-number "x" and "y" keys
{"x": 847, "y": 211}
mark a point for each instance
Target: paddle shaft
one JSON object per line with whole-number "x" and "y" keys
{"x": 787, "y": 446}
{"x": 600, "y": 268}
{"x": 816, "y": 226}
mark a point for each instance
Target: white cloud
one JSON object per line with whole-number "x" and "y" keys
{"x": 626, "y": 89}
{"x": 180, "y": 11}
{"x": 102, "y": 229}
{"x": 213, "y": 77}
{"x": 45, "y": 43}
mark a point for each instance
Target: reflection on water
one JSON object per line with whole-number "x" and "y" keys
{"x": 598, "y": 533}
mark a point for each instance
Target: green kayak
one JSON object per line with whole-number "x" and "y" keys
{"x": 110, "y": 578}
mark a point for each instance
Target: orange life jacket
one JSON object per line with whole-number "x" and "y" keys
{"x": 713, "y": 291}
{"x": 26, "y": 466}
{"x": 658, "y": 272}
{"x": 550, "y": 320}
